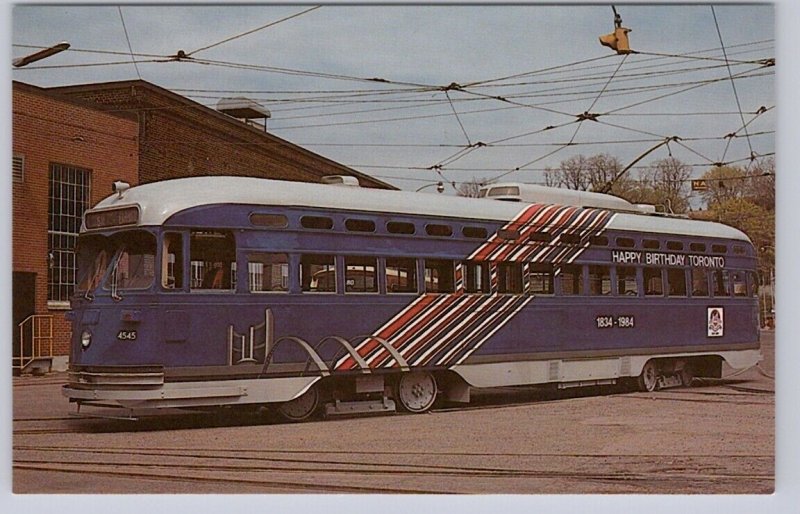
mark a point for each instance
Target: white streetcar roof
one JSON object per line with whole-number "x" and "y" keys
{"x": 158, "y": 201}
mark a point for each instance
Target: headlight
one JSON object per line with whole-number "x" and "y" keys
{"x": 86, "y": 339}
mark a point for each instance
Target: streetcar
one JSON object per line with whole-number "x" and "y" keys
{"x": 244, "y": 292}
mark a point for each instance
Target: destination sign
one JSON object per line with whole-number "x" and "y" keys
{"x": 666, "y": 259}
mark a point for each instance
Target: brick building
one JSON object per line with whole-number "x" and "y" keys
{"x": 65, "y": 154}
{"x": 180, "y": 138}
{"x": 69, "y": 145}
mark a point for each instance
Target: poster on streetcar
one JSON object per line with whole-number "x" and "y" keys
{"x": 716, "y": 321}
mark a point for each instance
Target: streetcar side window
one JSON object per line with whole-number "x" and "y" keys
{"x": 317, "y": 274}
{"x": 699, "y": 282}
{"x": 626, "y": 281}
{"x": 267, "y": 272}
{"x": 721, "y": 283}
{"x": 434, "y": 229}
{"x": 676, "y": 282}
{"x": 401, "y": 275}
{"x": 541, "y": 278}
{"x": 739, "y": 281}
{"x": 213, "y": 260}
{"x": 475, "y": 232}
{"x": 439, "y": 276}
{"x": 571, "y": 279}
{"x": 599, "y": 280}
{"x": 360, "y": 274}
{"x": 509, "y": 278}
{"x": 172, "y": 261}
{"x": 359, "y": 225}
{"x": 653, "y": 283}
{"x": 752, "y": 279}
{"x": 476, "y": 277}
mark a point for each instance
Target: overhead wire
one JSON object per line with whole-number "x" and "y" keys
{"x": 128, "y": 39}
{"x": 733, "y": 83}
{"x": 510, "y": 98}
{"x": 247, "y": 33}
{"x": 529, "y": 169}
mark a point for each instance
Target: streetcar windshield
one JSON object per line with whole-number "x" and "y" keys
{"x": 94, "y": 255}
{"x": 133, "y": 266}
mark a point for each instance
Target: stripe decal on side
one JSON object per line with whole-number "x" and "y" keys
{"x": 445, "y": 329}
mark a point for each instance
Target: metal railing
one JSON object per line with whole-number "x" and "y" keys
{"x": 35, "y": 339}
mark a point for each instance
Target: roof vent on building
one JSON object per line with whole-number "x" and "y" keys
{"x": 340, "y": 180}
{"x": 244, "y": 109}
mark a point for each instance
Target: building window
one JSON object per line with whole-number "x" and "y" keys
{"x": 69, "y": 197}
{"x": 18, "y": 168}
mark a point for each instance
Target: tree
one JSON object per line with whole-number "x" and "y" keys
{"x": 664, "y": 183}
{"x": 471, "y": 188}
{"x": 723, "y": 183}
{"x": 589, "y": 174}
{"x": 669, "y": 178}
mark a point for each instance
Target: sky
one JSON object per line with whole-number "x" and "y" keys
{"x": 309, "y": 72}
{"x": 512, "y": 72}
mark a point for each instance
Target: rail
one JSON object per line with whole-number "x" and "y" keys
{"x": 39, "y": 328}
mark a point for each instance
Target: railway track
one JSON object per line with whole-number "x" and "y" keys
{"x": 716, "y": 438}
{"x": 348, "y": 472}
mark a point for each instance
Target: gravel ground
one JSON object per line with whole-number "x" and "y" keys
{"x": 717, "y": 437}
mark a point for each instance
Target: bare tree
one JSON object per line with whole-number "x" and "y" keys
{"x": 471, "y": 188}
{"x": 670, "y": 179}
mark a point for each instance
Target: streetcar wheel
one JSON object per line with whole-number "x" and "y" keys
{"x": 302, "y": 407}
{"x": 648, "y": 380}
{"x": 416, "y": 391}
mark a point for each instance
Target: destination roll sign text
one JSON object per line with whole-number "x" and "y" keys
{"x": 666, "y": 259}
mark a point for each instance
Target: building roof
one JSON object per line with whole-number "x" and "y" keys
{"x": 159, "y": 201}
{"x": 234, "y": 123}
{"x": 56, "y": 95}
